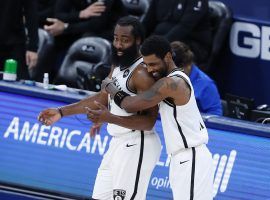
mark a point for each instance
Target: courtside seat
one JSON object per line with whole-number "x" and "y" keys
{"x": 84, "y": 54}
{"x": 137, "y": 8}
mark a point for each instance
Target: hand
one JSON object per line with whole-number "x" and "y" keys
{"x": 109, "y": 86}
{"x": 95, "y": 129}
{"x": 31, "y": 59}
{"x": 49, "y": 116}
{"x": 93, "y": 10}
{"x": 98, "y": 116}
{"x": 56, "y": 28}
{"x": 106, "y": 82}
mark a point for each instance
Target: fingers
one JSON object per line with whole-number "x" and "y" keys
{"x": 49, "y": 116}
{"x": 94, "y": 115}
{"x": 95, "y": 14}
{"x": 99, "y": 105}
{"x": 91, "y": 112}
{"x": 49, "y": 28}
{"x": 99, "y": 9}
{"x": 53, "y": 20}
{"x": 90, "y": 116}
{"x": 56, "y": 27}
{"x": 105, "y": 83}
{"x": 41, "y": 117}
{"x": 45, "y": 121}
{"x": 99, "y": 3}
{"x": 92, "y": 132}
{"x": 95, "y": 129}
{"x": 98, "y": 129}
{"x": 93, "y": 11}
{"x": 31, "y": 59}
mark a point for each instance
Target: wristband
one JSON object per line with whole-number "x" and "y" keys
{"x": 119, "y": 97}
{"x": 60, "y": 111}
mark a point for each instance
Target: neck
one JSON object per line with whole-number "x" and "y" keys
{"x": 171, "y": 67}
{"x": 187, "y": 69}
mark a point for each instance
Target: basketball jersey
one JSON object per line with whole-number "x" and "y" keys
{"x": 121, "y": 78}
{"x": 183, "y": 126}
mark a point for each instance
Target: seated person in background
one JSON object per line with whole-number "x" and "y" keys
{"x": 15, "y": 18}
{"x": 75, "y": 19}
{"x": 206, "y": 92}
{"x": 181, "y": 20}
{"x": 81, "y": 17}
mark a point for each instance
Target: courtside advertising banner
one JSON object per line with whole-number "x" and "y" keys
{"x": 64, "y": 159}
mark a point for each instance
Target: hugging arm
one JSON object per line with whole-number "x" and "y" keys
{"x": 141, "y": 81}
{"x": 147, "y": 99}
{"x": 177, "y": 89}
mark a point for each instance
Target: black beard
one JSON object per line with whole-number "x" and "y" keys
{"x": 128, "y": 57}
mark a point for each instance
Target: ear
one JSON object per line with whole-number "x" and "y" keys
{"x": 168, "y": 57}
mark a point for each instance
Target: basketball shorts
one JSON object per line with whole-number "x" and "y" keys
{"x": 191, "y": 174}
{"x": 127, "y": 166}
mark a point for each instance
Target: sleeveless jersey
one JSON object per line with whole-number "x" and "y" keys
{"x": 183, "y": 126}
{"x": 121, "y": 79}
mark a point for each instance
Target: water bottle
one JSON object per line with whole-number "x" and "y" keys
{"x": 46, "y": 81}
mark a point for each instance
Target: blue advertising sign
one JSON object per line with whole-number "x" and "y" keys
{"x": 255, "y": 10}
{"x": 64, "y": 159}
{"x": 243, "y": 68}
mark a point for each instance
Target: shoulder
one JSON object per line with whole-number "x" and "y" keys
{"x": 172, "y": 81}
{"x": 141, "y": 79}
{"x": 141, "y": 73}
{"x": 168, "y": 84}
{"x": 171, "y": 87}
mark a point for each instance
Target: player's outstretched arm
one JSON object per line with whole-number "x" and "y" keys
{"x": 79, "y": 107}
{"x": 51, "y": 115}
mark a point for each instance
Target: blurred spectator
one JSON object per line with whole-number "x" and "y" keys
{"x": 14, "y": 42}
{"x": 206, "y": 92}
{"x": 181, "y": 20}
{"x": 45, "y": 10}
{"x": 84, "y": 18}
{"x": 75, "y": 19}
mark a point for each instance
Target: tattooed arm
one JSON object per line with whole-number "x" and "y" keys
{"x": 168, "y": 87}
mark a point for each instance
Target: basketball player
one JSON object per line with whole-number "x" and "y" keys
{"x": 127, "y": 166}
{"x": 191, "y": 171}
